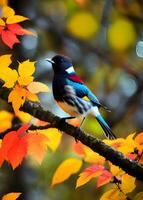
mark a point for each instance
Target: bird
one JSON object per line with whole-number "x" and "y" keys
{"x": 73, "y": 96}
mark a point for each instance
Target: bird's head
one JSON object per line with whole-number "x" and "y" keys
{"x": 61, "y": 64}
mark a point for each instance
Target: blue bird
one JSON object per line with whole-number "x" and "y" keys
{"x": 72, "y": 95}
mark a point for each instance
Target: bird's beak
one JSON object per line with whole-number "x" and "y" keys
{"x": 51, "y": 61}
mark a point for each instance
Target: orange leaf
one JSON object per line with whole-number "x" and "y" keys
{"x": 11, "y": 196}
{"x": 36, "y": 145}
{"x": 36, "y": 87}
{"x": 89, "y": 173}
{"x": 104, "y": 178}
{"x": 9, "y": 38}
{"x": 17, "y": 97}
{"x": 66, "y": 169}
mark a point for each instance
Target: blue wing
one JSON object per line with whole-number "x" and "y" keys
{"x": 81, "y": 91}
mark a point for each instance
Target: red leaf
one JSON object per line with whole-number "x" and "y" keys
{"x": 17, "y": 152}
{"x": 104, "y": 178}
{"x": 16, "y": 29}
{"x": 14, "y": 147}
{"x": 1, "y": 29}
{"x": 9, "y": 38}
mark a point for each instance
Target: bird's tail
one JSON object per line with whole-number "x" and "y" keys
{"x": 108, "y": 133}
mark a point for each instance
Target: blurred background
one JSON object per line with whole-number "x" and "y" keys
{"x": 104, "y": 38}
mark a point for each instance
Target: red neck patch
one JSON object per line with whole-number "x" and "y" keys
{"x": 75, "y": 78}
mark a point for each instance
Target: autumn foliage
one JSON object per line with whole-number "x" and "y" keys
{"x": 18, "y": 144}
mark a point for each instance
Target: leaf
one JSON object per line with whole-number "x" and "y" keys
{"x": 18, "y": 30}
{"x": 17, "y": 97}
{"x": 89, "y": 173}
{"x": 7, "y": 12}
{"x": 32, "y": 97}
{"x": 9, "y": 38}
{"x": 92, "y": 157}
{"x": 54, "y": 137}
{"x": 17, "y": 152}
{"x": 14, "y": 146}
{"x": 66, "y": 169}
{"x": 5, "y": 61}
{"x": 26, "y": 68}
{"x": 104, "y": 178}
{"x": 127, "y": 183}
{"x": 11, "y": 196}
{"x": 2, "y": 23}
{"x": 15, "y": 19}
{"x": 36, "y": 87}
{"x": 139, "y": 196}
{"x": 25, "y": 80}
{"x": 113, "y": 194}
{"x": 9, "y": 76}
{"x": 6, "y": 120}
{"x": 37, "y": 145}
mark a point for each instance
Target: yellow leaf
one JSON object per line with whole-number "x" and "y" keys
{"x": 92, "y": 157}
{"x": 113, "y": 194}
{"x": 17, "y": 97}
{"x": 127, "y": 183}
{"x": 25, "y": 80}
{"x": 11, "y": 196}
{"x": 9, "y": 76}
{"x": 6, "y": 120}
{"x": 139, "y": 196}
{"x": 5, "y": 61}
{"x": 26, "y": 68}
{"x": 54, "y": 137}
{"x": 88, "y": 174}
{"x": 7, "y": 12}
{"x": 36, "y": 87}
{"x": 15, "y": 19}
{"x": 83, "y": 25}
{"x": 2, "y": 23}
{"x": 66, "y": 169}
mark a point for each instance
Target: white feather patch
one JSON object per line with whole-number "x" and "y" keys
{"x": 70, "y": 70}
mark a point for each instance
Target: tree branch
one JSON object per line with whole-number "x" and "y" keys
{"x": 129, "y": 166}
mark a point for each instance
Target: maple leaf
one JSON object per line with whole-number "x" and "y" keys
{"x": 37, "y": 145}
{"x": 14, "y": 147}
{"x": 89, "y": 173}
{"x": 21, "y": 81}
{"x": 11, "y": 196}
{"x": 69, "y": 166}
{"x": 9, "y": 29}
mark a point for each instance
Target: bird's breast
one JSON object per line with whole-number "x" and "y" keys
{"x": 71, "y": 110}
